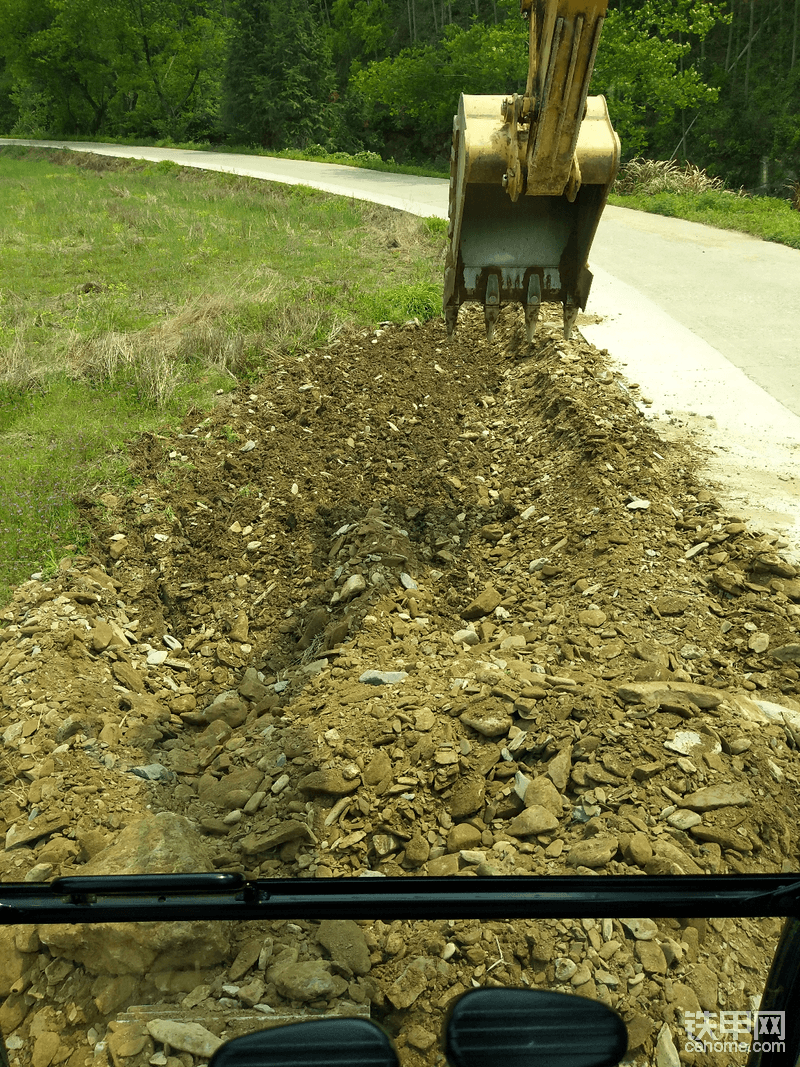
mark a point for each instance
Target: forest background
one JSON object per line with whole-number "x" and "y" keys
{"x": 712, "y": 82}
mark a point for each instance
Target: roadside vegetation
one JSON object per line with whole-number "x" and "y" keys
{"x": 665, "y": 188}
{"x": 134, "y": 292}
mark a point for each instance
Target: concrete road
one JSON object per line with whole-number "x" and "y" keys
{"x": 707, "y": 321}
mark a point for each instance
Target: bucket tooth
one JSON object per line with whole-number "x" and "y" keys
{"x": 491, "y": 307}
{"x": 531, "y": 318}
{"x": 533, "y": 303}
{"x": 451, "y": 318}
{"x": 570, "y": 315}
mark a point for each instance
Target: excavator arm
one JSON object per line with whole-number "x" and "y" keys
{"x": 530, "y": 175}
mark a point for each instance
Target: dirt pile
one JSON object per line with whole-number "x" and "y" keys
{"x": 415, "y": 607}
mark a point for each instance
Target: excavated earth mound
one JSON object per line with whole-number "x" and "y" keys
{"x": 415, "y": 607}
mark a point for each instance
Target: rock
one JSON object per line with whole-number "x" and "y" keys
{"x": 13, "y": 963}
{"x": 711, "y": 797}
{"x": 186, "y": 1037}
{"x": 252, "y": 992}
{"x": 383, "y": 677}
{"x": 688, "y": 742}
{"x": 127, "y": 1039}
{"x": 463, "y": 835}
{"x": 787, "y": 653}
{"x": 565, "y": 969}
{"x": 639, "y": 1029}
{"x": 541, "y": 791}
{"x": 251, "y": 687}
{"x": 671, "y": 605}
{"x": 685, "y": 998}
{"x": 12, "y": 1013}
{"x": 727, "y": 839}
{"x": 593, "y": 852}
{"x": 482, "y": 605}
{"x": 417, "y": 850}
{"x": 345, "y": 941}
{"x": 637, "y": 849}
{"x": 533, "y": 820}
{"x": 489, "y": 719}
{"x": 232, "y": 791}
{"x": 330, "y": 781}
{"x": 465, "y": 637}
{"x": 558, "y": 769}
{"x": 666, "y": 1053}
{"x": 307, "y": 981}
{"x": 254, "y": 844}
{"x": 642, "y": 929}
{"x": 467, "y": 797}
{"x": 424, "y": 720}
{"x": 701, "y": 696}
{"x": 101, "y": 635}
{"x": 592, "y": 617}
{"x": 649, "y": 954}
{"x": 118, "y": 548}
{"x": 45, "y": 1047}
{"x": 354, "y": 585}
{"x": 652, "y": 652}
{"x": 407, "y": 988}
{"x": 758, "y": 642}
{"x": 704, "y": 982}
{"x": 153, "y": 844}
{"x": 229, "y": 707}
{"x": 668, "y": 858}
{"x": 420, "y": 1038}
{"x": 379, "y": 768}
{"x": 683, "y": 819}
{"x": 127, "y": 676}
{"x": 443, "y": 866}
{"x": 240, "y": 628}
{"x": 245, "y": 959}
{"x": 582, "y": 975}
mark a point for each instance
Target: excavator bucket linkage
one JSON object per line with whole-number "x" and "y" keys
{"x": 530, "y": 175}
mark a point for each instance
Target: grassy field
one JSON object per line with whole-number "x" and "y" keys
{"x": 131, "y": 292}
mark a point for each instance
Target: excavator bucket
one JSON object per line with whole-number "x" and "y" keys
{"x": 530, "y": 175}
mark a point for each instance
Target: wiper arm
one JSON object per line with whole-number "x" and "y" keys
{"x": 148, "y": 897}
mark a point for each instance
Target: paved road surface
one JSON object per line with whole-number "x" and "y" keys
{"x": 706, "y": 320}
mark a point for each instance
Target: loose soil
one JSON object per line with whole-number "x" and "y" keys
{"x": 584, "y": 666}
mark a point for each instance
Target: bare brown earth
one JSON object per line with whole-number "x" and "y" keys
{"x": 598, "y": 674}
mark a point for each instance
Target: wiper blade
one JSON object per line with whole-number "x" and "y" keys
{"x": 147, "y": 897}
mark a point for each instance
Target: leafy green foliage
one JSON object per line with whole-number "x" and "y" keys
{"x": 416, "y": 93}
{"x": 279, "y": 82}
{"x": 121, "y": 66}
{"x": 646, "y": 74}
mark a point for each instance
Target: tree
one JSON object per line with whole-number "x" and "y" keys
{"x": 123, "y": 66}
{"x": 280, "y": 87}
{"x": 416, "y": 93}
{"x": 645, "y": 69}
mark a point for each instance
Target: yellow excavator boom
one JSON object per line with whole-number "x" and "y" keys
{"x": 530, "y": 175}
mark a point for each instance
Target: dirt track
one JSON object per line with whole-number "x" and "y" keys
{"x": 597, "y": 672}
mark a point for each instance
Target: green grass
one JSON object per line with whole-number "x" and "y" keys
{"x": 132, "y": 291}
{"x": 766, "y": 217}
{"x": 53, "y": 444}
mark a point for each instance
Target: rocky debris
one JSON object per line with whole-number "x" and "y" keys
{"x": 285, "y": 686}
